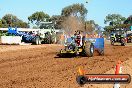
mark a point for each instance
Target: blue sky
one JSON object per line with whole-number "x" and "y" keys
{"x": 97, "y": 9}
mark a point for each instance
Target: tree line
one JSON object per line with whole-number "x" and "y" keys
{"x": 78, "y": 11}
{"x": 12, "y": 20}
{"x": 115, "y": 21}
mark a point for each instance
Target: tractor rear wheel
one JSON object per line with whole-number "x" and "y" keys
{"x": 89, "y": 49}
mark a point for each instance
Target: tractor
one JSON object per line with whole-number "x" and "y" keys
{"x": 118, "y": 37}
{"x": 45, "y": 35}
{"x": 80, "y": 45}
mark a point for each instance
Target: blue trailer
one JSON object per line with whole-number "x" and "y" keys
{"x": 98, "y": 44}
{"x": 26, "y": 37}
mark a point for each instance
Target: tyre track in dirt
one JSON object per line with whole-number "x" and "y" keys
{"x": 22, "y": 57}
{"x": 18, "y": 61}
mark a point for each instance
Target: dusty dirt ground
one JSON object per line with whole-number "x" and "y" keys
{"x": 34, "y": 66}
{"x": 126, "y": 69}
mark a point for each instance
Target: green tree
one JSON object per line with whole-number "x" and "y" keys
{"x": 118, "y": 26}
{"x": 128, "y": 20}
{"x": 114, "y": 19}
{"x": 57, "y": 20}
{"x": 38, "y": 17}
{"x": 13, "y": 21}
{"x": 21, "y": 24}
{"x": 91, "y": 22}
{"x": 35, "y": 27}
{"x": 76, "y": 10}
{"x": 73, "y": 18}
{"x": 90, "y": 26}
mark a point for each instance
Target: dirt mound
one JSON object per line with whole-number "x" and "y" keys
{"x": 36, "y": 66}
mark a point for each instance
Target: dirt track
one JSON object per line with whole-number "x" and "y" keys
{"x": 36, "y": 66}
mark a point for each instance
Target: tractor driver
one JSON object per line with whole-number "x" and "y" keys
{"x": 78, "y": 38}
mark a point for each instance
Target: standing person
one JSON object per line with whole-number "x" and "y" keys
{"x": 80, "y": 36}
{"x": 62, "y": 39}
